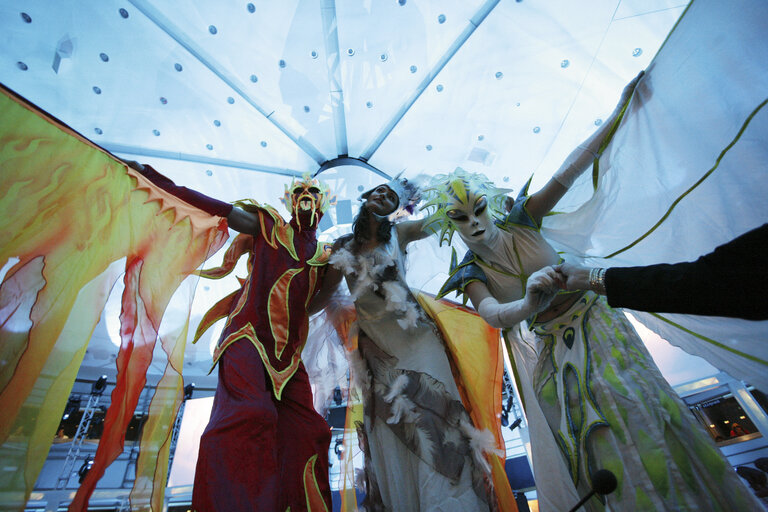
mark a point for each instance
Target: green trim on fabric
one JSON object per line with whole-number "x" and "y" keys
{"x": 685, "y": 11}
{"x": 695, "y": 185}
{"x": 711, "y": 341}
{"x": 520, "y": 207}
{"x": 607, "y": 140}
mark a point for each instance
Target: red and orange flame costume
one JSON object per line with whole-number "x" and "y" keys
{"x": 265, "y": 447}
{"x": 77, "y": 220}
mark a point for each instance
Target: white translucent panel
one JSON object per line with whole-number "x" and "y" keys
{"x": 628, "y": 8}
{"x": 223, "y": 183}
{"x": 197, "y": 412}
{"x": 142, "y": 93}
{"x": 524, "y": 90}
{"x": 375, "y": 88}
{"x": 615, "y": 63}
{"x": 275, "y": 44}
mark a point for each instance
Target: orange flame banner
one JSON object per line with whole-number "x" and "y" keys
{"x": 74, "y": 219}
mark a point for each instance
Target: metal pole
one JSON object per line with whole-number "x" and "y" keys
{"x": 77, "y": 441}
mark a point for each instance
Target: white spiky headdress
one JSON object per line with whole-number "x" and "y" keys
{"x": 457, "y": 185}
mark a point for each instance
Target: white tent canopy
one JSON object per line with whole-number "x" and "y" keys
{"x": 232, "y": 98}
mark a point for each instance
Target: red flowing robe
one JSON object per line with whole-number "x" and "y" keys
{"x": 265, "y": 447}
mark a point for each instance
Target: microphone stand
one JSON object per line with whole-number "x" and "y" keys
{"x": 603, "y": 482}
{"x": 582, "y": 501}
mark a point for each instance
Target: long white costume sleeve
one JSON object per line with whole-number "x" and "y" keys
{"x": 685, "y": 173}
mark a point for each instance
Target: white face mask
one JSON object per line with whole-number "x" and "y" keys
{"x": 471, "y": 219}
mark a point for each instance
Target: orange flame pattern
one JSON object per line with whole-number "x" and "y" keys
{"x": 76, "y": 218}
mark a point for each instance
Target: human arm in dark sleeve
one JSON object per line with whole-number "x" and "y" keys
{"x": 237, "y": 219}
{"x": 730, "y": 281}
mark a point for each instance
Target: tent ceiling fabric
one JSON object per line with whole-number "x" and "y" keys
{"x": 232, "y": 97}
{"x": 503, "y": 87}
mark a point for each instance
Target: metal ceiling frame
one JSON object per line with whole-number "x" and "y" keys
{"x": 186, "y": 42}
{"x": 330, "y": 32}
{"x": 333, "y": 58}
{"x": 472, "y": 25}
{"x": 116, "y": 148}
{"x": 348, "y": 160}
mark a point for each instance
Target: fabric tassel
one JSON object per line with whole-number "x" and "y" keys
{"x": 396, "y": 296}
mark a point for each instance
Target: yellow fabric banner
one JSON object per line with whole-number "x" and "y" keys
{"x": 73, "y": 219}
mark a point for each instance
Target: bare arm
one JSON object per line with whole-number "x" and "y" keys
{"x": 577, "y": 277}
{"x": 243, "y": 221}
{"x": 237, "y": 218}
{"x": 412, "y": 230}
{"x": 543, "y": 201}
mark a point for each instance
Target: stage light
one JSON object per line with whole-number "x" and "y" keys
{"x": 337, "y": 395}
{"x": 515, "y": 423}
{"x": 73, "y": 405}
{"x": 83, "y": 471}
{"x": 338, "y": 448}
{"x": 99, "y": 386}
{"x": 188, "y": 390}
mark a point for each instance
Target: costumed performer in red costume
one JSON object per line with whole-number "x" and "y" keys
{"x": 265, "y": 447}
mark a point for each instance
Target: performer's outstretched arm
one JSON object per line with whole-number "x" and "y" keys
{"x": 729, "y": 281}
{"x": 237, "y": 219}
{"x": 543, "y": 201}
{"x": 541, "y": 288}
{"x": 412, "y": 230}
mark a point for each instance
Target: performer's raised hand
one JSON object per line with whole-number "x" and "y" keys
{"x": 541, "y": 288}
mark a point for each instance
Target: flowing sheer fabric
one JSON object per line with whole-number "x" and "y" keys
{"x": 75, "y": 218}
{"x": 475, "y": 356}
{"x": 685, "y": 172}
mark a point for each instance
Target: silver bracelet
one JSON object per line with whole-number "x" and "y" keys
{"x": 597, "y": 279}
